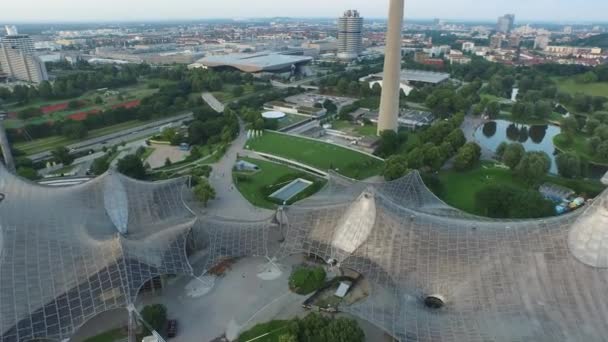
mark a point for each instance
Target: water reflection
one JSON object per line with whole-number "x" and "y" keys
{"x": 489, "y": 129}
{"x": 534, "y": 138}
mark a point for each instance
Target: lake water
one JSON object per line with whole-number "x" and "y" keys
{"x": 532, "y": 137}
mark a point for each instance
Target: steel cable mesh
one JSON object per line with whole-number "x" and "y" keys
{"x": 63, "y": 260}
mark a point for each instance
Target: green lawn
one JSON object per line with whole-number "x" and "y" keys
{"x": 274, "y": 329}
{"x": 459, "y": 188}
{"x": 569, "y": 85}
{"x": 318, "y": 154}
{"x": 271, "y": 174}
{"x": 291, "y": 119}
{"x": 109, "y": 336}
{"x": 351, "y": 128}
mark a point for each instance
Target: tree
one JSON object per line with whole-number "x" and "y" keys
{"x": 288, "y": 338}
{"x": 512, "y": 155}
{"x": 569, "y": 165}
{"x": 98, "y": 100}
{"x": 602, "y": 150}
{"x": 467, "y": 156}
{"x": 204, "y": 192}
{"x": 500, "y": 150}
{"x": 168, "y": 162}
{"x": 456, "y": 138}
{"x": 588, "y": 77}
{"x": 533, "y": 167}
{"x": 28, "y": 173}
{"x": 62, "y": 155}
{"x": 155, "y": 316}
{"x": 74, "y": 104}
{"x": 238, "y": 91}
{"x": 330, "y": 106}
{"x": 100, "y": 165}
{"x": 132, "y": 166}
{"x": 45, "y": 90}
{"x": 395, "y": 167}
{"x": 500, "y": 201}
{"x": 433, "y": 158}
{"x": 591, "y": 125}
{"x": 74, "y": 130}
{"x": 569, "y": 126}
{"x": 493, "y": 109}
{"x": 388, "y": 145}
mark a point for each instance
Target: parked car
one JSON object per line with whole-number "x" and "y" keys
{"x": 171, "y": 328}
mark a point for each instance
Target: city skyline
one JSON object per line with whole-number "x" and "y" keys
{"x": 139, "y": 10}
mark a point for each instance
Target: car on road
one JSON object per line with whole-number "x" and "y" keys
{"x": 171, "y": 328}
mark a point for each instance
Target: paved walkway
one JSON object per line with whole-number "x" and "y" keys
{"x": 229, "y": 202}
{"x": 213, "y": 102}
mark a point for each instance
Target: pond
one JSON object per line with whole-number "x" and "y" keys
{"x": 532, "y": 137}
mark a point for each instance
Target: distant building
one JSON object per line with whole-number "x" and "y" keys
{"x": 11, "y": 30}
{"x": 505, "y": 23}
{"x": 514, "y": 41}
{"x": 350, "y": 35}
{"x": 541, "y": 42}
{"x": 18, "y": 59}
{"x": 496, "y": 41}
{"x": 408, "y": 78}
{"x": 272, "y": 62}
{"x": 568, "y": 30}
{"x": 420, "y": 57}
{"x": 573, "y": 51}
{"x": 458, "y": 59}
{"x": 468, "y": 47}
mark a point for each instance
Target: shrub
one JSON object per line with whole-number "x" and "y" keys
{"x": 156, "y": 316}
{"x": 305, "y": 280}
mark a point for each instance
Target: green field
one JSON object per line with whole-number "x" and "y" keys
{"x": 274, "y": 329}
{"x": 318, "y": 154}
{"x": 569, "y": 85}
{"x": 459, "y": 188}
{"x": 270, "y": 175}
{"x": 354, "y": 129}
{"x": 109, "y": 336}
{"x": 291, "y": 119}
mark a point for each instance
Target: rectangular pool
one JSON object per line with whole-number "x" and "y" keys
{"x": 290, "y": 190}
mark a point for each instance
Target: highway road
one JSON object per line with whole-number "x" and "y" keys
{"x": 117, "y": 138}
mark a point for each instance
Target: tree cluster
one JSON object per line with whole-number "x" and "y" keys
{"x": 499, "y": 201}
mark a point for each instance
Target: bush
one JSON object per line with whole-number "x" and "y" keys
{"x": 305, "y": 280}
{"x": 499, "y": 201}
{"x": 156, "y": 316}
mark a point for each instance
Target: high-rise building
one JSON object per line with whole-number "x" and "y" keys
{"x": 391, "y": 83}
{"x": 18, "y": 59}
{"x": 506, "y": 23}
{"x": 350, "y": 35}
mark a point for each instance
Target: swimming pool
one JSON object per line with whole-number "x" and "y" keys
{"x": 290, "y": 190}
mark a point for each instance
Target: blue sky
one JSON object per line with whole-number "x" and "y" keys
{"x": 84, "y": 10}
